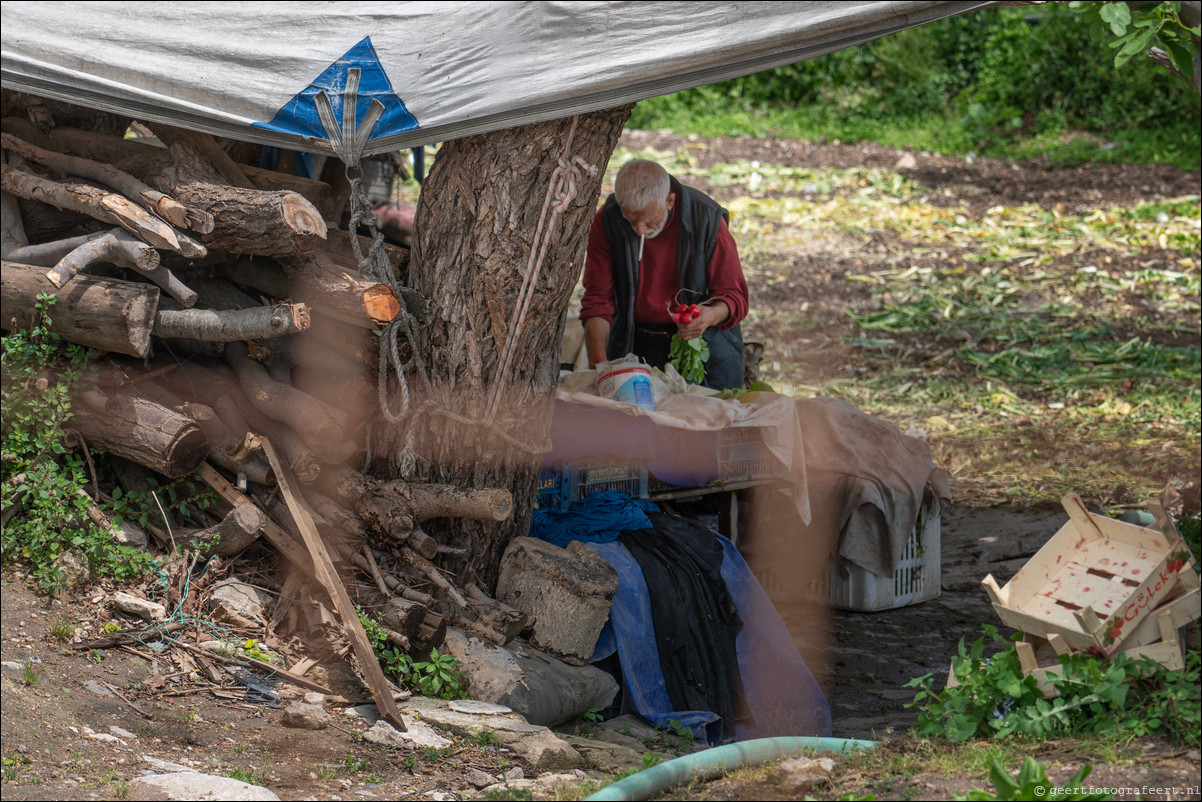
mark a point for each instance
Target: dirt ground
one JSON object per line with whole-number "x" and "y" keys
{"x": 52, "y": 694}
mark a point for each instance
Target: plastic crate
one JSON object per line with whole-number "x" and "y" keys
{"x": 742, "y": 455}
{"x": 552, "y": 490}
{"x": 916, "y": 578}
{"x": 847, "y": 586}
{"x": 584, "y": 479}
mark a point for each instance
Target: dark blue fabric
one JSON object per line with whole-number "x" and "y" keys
{"x": 597, "y": 518}
{"x": 781, "y": 694}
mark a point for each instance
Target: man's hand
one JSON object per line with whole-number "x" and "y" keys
{"x": 711, "y": 315}
{"x": 596, "y": 339}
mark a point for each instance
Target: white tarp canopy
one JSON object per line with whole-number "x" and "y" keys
{"x": 263, "y": 71}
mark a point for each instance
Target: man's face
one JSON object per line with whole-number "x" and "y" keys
{"x": 650, "y": 221}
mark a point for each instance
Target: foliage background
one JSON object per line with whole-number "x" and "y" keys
{"x": 1009, "y": 82}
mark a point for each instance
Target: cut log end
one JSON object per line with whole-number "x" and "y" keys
{"x": 381, "y": 303}
{"x": 303, "y": 219}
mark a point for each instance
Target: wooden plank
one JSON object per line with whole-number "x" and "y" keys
{"x": 1181, "y": 611}
{"x": 277, "y": 535}
{"x": 1143, "y": 537}
{"x": 1122, "y": 559}
{"x": 324, "y": 568}
{"x": 1076, "y": 585}
{"x": 1087, "y": 527}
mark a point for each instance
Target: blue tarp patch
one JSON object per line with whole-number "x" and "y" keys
{"x": 299, "y": 115}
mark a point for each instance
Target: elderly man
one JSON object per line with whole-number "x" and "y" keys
{"x": 656, "y": 244}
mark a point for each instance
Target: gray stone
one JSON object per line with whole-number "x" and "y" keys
{"x": 535, "y": 685}
{"x": 314, "y": 698}
{"x": 369, "y": 713}
{"x": 98, "y": 689}
{"x": 566, "y": 592}
{"x": 543, "y": 750}
{"x": 164, "y": 766}
{"x": 477, "y": 778}
{"x": 130, "y": 534}
{"x": 417, "y": 733}
{"x": 121, "y": 733}
{"x": 104, "y": 737}
{"x": 478, "y": 707}
{"x": 384, "y": 734}
{"x": 233, "y": 598}
{"x": 301, "y": 716}
{"x": 12, "y": 665}
{"x": 799, "y": 775}
{"x": 537, "y": 745}
{"x": 151, "y": 611}
{"x": 544, "y": 785}
{"x": 191, "y": 785}
{"x": 604, "y": 756}
{"x": 77, "y": 571}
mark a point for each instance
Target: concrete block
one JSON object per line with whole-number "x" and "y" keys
{"x": 566, "y": 592}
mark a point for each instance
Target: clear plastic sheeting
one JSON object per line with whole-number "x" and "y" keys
{"x": 440, "y": 71}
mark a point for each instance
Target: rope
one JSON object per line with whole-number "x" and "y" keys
{"x": 561, "y": 191}
{"x": 348, "y": 142}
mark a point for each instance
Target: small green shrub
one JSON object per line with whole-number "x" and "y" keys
{"x": 41, "y": 477}
{"x": 1032, "y": 783}
{"x": 438, "y": 676}
{"x": 1116, "y": 698}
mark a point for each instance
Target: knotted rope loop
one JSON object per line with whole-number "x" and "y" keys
{"x": 561, "y": 191}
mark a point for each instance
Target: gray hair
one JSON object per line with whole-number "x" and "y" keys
{"x": 640, "y": 183}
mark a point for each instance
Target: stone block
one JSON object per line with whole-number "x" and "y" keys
{"x": 566, "y": 592}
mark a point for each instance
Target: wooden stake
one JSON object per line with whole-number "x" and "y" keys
{"x": 329, "y": 578}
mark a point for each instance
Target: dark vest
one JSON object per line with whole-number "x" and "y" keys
{"x": 699, "y": 223}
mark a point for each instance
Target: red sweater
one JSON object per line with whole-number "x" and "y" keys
{"x": 658, "y": 279}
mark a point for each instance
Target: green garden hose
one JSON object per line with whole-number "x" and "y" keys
{"x": 714, "y": 762}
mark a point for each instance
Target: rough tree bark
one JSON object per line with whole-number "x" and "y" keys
{"x": 476, "y": 228}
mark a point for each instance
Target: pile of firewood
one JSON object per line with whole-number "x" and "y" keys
{"x": 232, "y": 312}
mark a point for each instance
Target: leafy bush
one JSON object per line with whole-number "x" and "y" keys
{"x": 951, "y": 86}
{"x": 41, "y": 477}
{"x": 438, "y": 676}
{"x": 1121, "y": 697}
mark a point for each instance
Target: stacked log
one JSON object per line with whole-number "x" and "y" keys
{"x": 230, "y": 309}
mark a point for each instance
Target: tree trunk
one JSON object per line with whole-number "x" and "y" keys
{"x": 477, "y": 226}
{"x": 100, "y": 313}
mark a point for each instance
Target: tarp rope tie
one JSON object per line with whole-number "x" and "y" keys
{"x": 348, "y": 141}
{"x": 561, "y": 191}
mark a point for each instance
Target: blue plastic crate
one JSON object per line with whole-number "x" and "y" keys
{"x": 552, "y": 490}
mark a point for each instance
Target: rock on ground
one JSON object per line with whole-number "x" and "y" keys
{"x": 191, "y": 785}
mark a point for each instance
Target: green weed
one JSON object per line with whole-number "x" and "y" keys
{"x": 63, "y": 630}
{"x": 41, "y": 477}
{"x": 438, "y": 677}
{"x": 1032, "y": 783}
{"x": 1117, "y": 698}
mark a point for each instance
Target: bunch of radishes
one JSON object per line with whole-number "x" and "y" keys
{"x": 685, "y": 313}
{"x": 688, "y": 356}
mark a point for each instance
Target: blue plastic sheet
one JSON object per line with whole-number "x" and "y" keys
{"x": 597, "y": 518}
{"x": 781, "y": 693}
